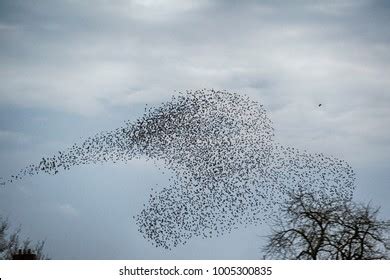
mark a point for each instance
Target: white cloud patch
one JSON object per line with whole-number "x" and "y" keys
{"x": 68, "y": 210}
{"x": 7, "y": 136}
{"x": 163, "y": 10}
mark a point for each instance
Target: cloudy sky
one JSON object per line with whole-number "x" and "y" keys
{"x": 69, "y": 69}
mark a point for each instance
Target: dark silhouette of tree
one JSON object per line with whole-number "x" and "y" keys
{"x": 11, "y": 243}
{"x": 310, "y": 228}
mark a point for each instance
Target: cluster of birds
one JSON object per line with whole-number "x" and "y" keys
{"x": 227, "y": 169}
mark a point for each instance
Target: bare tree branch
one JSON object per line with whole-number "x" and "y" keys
{"x": 311, "y": 229}
{"x": 10, "y": 242}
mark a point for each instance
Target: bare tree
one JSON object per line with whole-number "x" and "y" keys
{"x": 11, "y": 243}
{"x": 311, "y": 228}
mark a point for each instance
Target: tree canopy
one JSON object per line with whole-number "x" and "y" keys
{"x": 339, "y": 229}
{"x": 11, "y": 242}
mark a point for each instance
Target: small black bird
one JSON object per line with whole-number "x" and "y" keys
{"x": 319, "y": 105}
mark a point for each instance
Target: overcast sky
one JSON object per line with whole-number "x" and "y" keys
{"x": 69, "y": 69}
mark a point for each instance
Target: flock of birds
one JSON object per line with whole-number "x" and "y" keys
{"x": 227, "y": 169}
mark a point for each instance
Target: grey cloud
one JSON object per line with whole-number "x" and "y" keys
{"x": 90, "y": 54}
